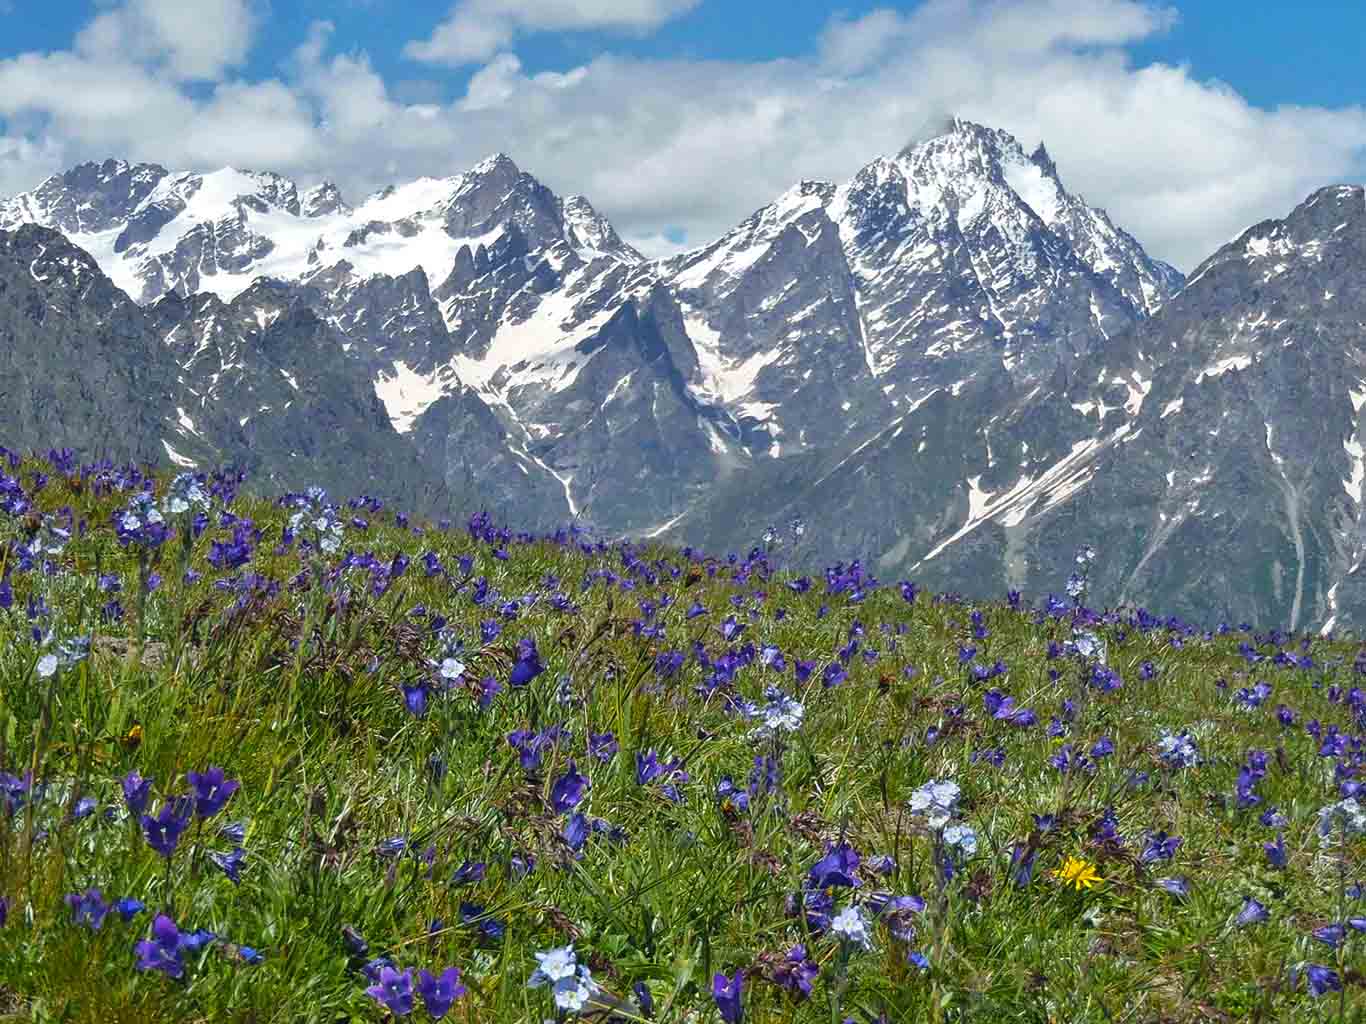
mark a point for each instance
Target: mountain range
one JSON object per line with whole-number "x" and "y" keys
{"x": 949, "y": 366}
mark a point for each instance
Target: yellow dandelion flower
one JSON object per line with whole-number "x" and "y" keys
{"x": 1077, "y": 872}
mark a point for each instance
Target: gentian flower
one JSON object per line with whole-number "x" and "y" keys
{"x": 796, "y": 972}
{"x": 1177, "y": 886}
{"x": 211, "y": 791}
{"x": 489, "y": 928}
{"x": 163, "y": 832}
{"x": 229, "y": 863}
{"x": 162, "y": 951}
{"x": 438, "y": 993}
{"x": 489, "y": 688}
{"x": 129, "y": 908}
{"x": 602, "y": 745}
{"x": 1275, "y": 851}
{"x": 88, "y": 907}
{"x": 568, "y": 789}
{"x": 197, "y": 939}
{"x": 1322, "y": 980}
{"x": 836, "y": 868}
{"x": 727, "y": 993}
{"x": 395, "y": 990}
{"x": 391, "y": 847}
{"x": 85, "y": 807}
{"x": 1160, "y": 847}
{"x": 1253, "y": 912}
{"x": 528, "y": 664}
{"x": 355, "y": 943}
{"x": 415, "y": 699}
{"x": 1022, "y": 857}
{"x": 136, "y": 790}
{"x": 576, "y": 831}
{"x": 895, "y": 912}
{"x": 1330, "y": 935}
{"x": 644, "y": 1000}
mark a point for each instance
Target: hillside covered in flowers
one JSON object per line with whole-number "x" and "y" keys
{"x": 310, "y": 760}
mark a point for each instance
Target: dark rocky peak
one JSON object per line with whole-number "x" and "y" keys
{"x": 496, "y": 171}
{"x": 332, "y": 278}
{"x": 965, "y": 147}
{"x": 45, "y": 257}
{"x": 1043, "y": 161}
{"x": 322, "y": 199}
{"x": 585, "y": 228}
{"x": 89, "y": 197}
{"x": 1315, "y": 236}
{"x": 511, "y": 245}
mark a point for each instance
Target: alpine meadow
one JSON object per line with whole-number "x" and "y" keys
{"x": 632, "y": 511}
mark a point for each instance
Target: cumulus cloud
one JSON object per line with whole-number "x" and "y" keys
{"x": 192, "y": 39}
{"x": 477, "y": 29}
{"x": 1183, "y": 163}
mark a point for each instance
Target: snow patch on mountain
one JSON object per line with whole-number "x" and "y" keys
{"x": 1037, "y": 189}
{"x": 407, "y": 394}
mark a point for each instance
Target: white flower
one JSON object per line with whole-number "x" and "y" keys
{"x": 936, "y": 800}
{"x": 184, "y": 494}
{"x": 1348, "y": 814}
{"x": 963, "y": 837}
{"x": 781, "y": 714}
{"x": 47, "y": 665}
{"x": 1088, "y": 645}
{"x": 52, "y": 539}
{"x": 850, "y": 926}
{"x": 553, "y": 965}
{"x": 451, "y": 668}
{"x": 1178, "y": 751}
{"x": 572, "y": 993}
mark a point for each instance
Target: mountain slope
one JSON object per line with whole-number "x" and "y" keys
{"x": 1212, "y": 453}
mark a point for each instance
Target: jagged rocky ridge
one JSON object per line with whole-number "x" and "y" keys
{"x": 948, "y": 364}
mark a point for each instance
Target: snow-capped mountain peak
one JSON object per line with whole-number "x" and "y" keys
{"x": 155, "y": 231}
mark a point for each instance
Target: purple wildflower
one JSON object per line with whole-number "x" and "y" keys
{"x": 163, "y": 832}
{"x": 568, "y": 789}
{"x": 89, "y": 908}
{"x": 728, "y": 992}
{"x": 395, "y": 990}
{"x": 438, "y": 993}
{"x": 1253, "y": 912}
{"x": 136, "y": 790}
{"x": 211, "y": 790}
{"x": 162, "y": 951}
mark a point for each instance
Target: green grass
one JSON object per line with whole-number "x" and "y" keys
{"x": 332, "y": 763}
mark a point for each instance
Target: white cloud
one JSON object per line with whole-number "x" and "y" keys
{"x": 477, "y": 29}
{"x": 1183, "y": 164}
{"x": 193, "y": 39}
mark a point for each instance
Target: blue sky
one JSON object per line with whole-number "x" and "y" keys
{"x": 1309, "y": 52}
{"x": 677, "y": 118}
